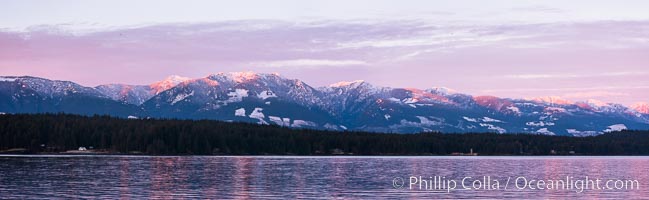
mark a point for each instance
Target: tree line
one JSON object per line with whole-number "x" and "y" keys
{"x": 51, "y": 133}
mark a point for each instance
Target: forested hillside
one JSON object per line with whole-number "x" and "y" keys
{"x": 52, "y": 133}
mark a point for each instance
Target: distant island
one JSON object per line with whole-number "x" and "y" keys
{"x": 73, "y": 134}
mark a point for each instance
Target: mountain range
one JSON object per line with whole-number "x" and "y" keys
{"x": 357, "y": 105}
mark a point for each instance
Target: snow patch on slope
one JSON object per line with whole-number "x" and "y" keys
{"x": 470, "y": 119}
{"x": 280, "y": 121}
{"x": 615, "y": 127}
{"x": 266, "y": 94}
{"x": 514, "y": 109}
{"x": 552, "y": 110}
{"x": 181, "y": 97}
{"x": 241, "y": 112}
{"x": 423, "y": 122}
{"x": 487, "y": 119}
{"x": 302, "y": 123}
{"x": 576, "y": 133}
{"x": 493, "y": 127}
{"x": 334, "y": 127}
{"x": 257, "y": 114}
{"x": 394, "y": 100}
{"x": 483, "y": 119}
{"x": 545, "y": 131}
{"x": 330, "y": 126}
{"x": 237, "y": 95}
{"x": 540, "y": 123}
{"x": 410, "y": 100}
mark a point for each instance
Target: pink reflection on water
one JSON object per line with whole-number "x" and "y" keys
{"x": 124, "y": 178}
{"x": 242, "y": 177}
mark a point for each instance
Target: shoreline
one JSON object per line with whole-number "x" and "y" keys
{"x": 104, "y": 135}
{"x": 297, "y": 156}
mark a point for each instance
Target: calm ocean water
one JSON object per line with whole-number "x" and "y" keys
{"x": 279, "y": 177}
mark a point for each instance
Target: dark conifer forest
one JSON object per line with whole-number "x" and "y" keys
{"x": 56, "y": 133}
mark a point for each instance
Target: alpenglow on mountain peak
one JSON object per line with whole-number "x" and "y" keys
{"x": 355, "y": 105}
{"x": 346, "y": 83}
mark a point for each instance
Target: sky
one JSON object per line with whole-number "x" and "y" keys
{"x": 576, "y": 50}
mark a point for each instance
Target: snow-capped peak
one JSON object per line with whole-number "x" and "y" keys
{"x": 7, "y": 79}
{"x": 596, "y": 103}
{"x": 49, "y": 88}
{"x": 352, "y": 105}
{"x": 243, "y": 76}
{"x": 552, "y": 100}
{"x": 443, "y": 90}
{"x": 167, "y": 83}
{"x": 346, "y": 83}
{"x": 176, "y": 79}
{"x": 641, "y": 107}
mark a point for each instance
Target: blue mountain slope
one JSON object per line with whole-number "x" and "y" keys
{"x": 357, "y": 105}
